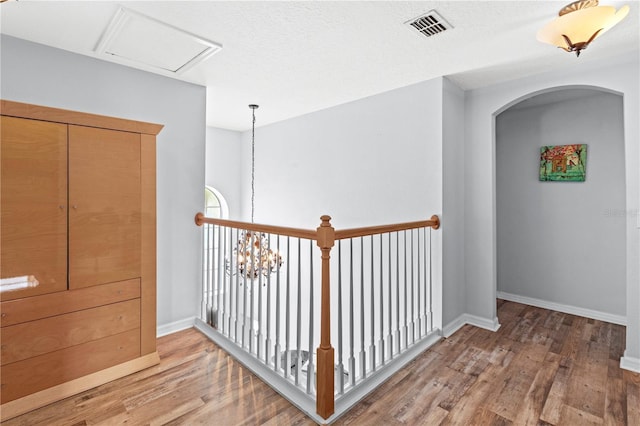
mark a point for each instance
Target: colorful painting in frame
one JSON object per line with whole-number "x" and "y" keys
{"x": 563, "y": 163}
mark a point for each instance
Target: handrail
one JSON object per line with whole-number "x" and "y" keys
{"x": 325, "y": 236}
{"x": 434, "y": 222}
{"x": 309, "y": 234}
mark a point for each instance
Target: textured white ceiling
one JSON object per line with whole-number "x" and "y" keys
{"x": 295, "y": 57}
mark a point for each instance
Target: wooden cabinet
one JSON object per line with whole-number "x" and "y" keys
{"x": 104, "y": 206}
{"x": 33, "y": 193}
{"x": 78, "y": 232}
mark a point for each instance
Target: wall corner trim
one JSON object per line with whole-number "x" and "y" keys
{"x": 630, "y": 363}
{"x": 464, "y": 319}
{"x": 567, "y": 309}
{"x": 174, "y": 327}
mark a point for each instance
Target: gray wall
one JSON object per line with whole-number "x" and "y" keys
{"x": 618, "y": 75}
{"x": 454, "y": 296}
{"x": 41, "y": 75}
{"x": 224, "y": 166}
{"x": 372, "y": 161}
{"x": 563, "y": 242}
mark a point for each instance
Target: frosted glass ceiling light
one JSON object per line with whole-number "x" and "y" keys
{"x": 579, "y": 23}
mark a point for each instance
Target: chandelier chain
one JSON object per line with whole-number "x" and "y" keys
{"x": 252, "y": 257}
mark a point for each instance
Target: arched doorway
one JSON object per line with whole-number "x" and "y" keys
{"x": 562, "y": 245}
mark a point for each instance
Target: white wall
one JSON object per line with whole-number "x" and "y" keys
{"x": 224, "y": 166}
{"x": 482, "y": 105}
{"x": 554, "y": 238}
{"x": 373, "y": 161}
{"x": 454, "y": 296}
{"x": 41, "y": 75}
{"x": 369, "y": 162}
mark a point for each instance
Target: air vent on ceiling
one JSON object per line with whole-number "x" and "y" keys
{"x": 142, "y": 41}
{"x": 431, "y": 23}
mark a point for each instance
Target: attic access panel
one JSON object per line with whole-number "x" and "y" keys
{"x": 140, "y": 39}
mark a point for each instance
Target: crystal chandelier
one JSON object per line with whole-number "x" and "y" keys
{"x": 252, "y": 256}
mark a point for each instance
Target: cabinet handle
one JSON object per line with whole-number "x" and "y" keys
{"x": 61, "y": 207}
{"x": 75, "y": 206}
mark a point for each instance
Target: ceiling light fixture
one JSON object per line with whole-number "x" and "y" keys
{"x": 252, "y": 256}
{"x": 579, "y": 23}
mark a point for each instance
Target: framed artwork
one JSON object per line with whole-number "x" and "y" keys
{"x": 563, "y": 163}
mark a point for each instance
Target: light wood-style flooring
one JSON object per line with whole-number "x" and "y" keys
{"x": 541, "y": 368}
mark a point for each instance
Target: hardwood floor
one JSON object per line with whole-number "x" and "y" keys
{"x": 541, "y": 368}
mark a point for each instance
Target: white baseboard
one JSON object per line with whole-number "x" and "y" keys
{"x": 376, "y": 379}
{"x": 458, "y": 323}
{"x": 567, "y": 309}
{"x": 296, "y": 395}
{"x": 278, "y": 383}
{"x": 630, "y": 363}
{"x": 486, "y": 323}
{"x": 453, "y": 326}
{"x": 175, "y": 326}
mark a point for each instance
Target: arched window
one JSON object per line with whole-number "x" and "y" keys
{"x": 215, "y": 205}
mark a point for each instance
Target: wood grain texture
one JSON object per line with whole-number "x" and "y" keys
{"x": 41, "y": 372}
{"x": 325, "y": 354}
{"x": 37, "y": 112}
{"x": 434, "y": 222}
{"x": 148, "y": 243}
{"x": 382, "y": 229}
{"x": 309, "y": 234}
{"x": 475, "y": 377}
{"x": 633, "y": 403}
{"x": 104, "y": 206}
{"x": 59, "y": 392}
{"x": 48, "y": 305}
{"x": 104, "y": 311}
{"x": 46, "y": 335}
{"x": 33, "y": 190}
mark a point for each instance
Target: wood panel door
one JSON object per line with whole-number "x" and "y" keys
{"x": 104, "y": 206}
{"x": 33, "y": 200}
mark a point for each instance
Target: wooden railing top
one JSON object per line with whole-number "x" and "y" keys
{"x": 271, "y": 229}
{"x": 343, "y": 234}
{"x": 325, "y": 236}
{"x": 434, "y": 223}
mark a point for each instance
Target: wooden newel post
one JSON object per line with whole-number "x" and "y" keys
{"x": 325, "y": 353}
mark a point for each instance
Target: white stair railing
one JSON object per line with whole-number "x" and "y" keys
{"x": 268, "y": 303}
{"x": 384, "y": 300}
